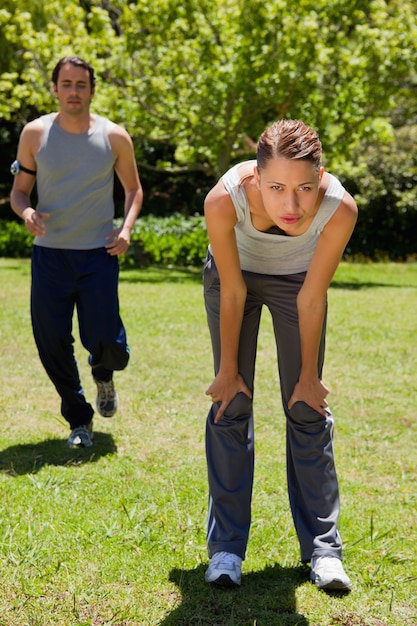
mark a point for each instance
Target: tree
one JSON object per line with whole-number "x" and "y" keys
{"x": 205, "y": 77}
{"x": 209, "y": 76}
{"x": 35, "y": 34}
{"x": 384, "y": 181}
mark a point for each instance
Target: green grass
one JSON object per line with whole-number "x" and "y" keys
{"x": 115, "y": 535}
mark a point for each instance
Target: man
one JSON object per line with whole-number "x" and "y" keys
{"x": 72, "y": 156}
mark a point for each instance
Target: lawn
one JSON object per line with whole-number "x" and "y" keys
{"x": 115, "y": 534}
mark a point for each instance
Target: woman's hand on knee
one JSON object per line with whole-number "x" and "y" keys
{"x": 312, "y": 392}
{"x": 223, "y": 389}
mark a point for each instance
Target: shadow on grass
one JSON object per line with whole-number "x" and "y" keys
{"x": 358, "y": 285}
{"x": 154, "y": 274}
{"x": 29, "y": 458}
{"x": 162, "y": 274}
{"x": 265, "y": 598}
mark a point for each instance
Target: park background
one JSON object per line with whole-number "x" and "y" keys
{"x": 115, "y": 536}
{"x": 196, "y": 82}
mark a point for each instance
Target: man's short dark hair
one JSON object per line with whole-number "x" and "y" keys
{"x": 77, "y": 62}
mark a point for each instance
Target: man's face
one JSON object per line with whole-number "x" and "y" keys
{"x": 73, "y": 89}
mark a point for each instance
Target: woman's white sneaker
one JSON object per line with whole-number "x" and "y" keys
{"x": 327, "y": 573}
{"x": 225, "y": 570}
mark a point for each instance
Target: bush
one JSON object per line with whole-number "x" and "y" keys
{"x": 15, "y": 241}
{"x": 383, "y": 181}
{"x": 174, "y": 240}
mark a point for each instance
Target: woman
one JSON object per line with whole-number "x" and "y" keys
{"x": 277, "y": 228}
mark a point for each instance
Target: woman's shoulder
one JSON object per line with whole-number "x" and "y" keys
{"x": 228, "y": 196}
{"x": 238, "y": 182}
{"x": 330, "y": 184}
{"x": 344, "y": 207}
{"x": 239, "y": 172}
{"x": 334, "y": 189}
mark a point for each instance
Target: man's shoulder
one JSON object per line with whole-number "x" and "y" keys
{"x": 32, "y": 133}
{"x": 112, "y": 128}
{"x": 38, "y": 124}
{"x": 118, "y": 136}
{"x": 115, "y": 128}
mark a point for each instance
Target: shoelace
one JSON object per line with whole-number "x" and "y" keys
{"x": 107, "y": 392}
{"x": 226, "y": 558}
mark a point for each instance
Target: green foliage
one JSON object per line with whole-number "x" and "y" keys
{"x": 38, "y": 34}
{"x": 212, "y": 74}
{"x": 174, "y": 240}
{"x": 383, "y": 180}
{"x": 206, "y": 77}
{"x": 15, "y": 241}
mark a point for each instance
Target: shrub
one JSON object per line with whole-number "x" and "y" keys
{"x": 15, "y": 241}
{"x": 384, "y": 182}
{"x": 174, "y": 240}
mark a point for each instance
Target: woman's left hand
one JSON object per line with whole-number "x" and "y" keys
{"x": 223, "y": 389}
{"x": 313, "y": 393}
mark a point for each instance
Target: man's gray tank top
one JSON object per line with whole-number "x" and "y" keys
{"x": 75, "y": 180}
{"x": 267, "y": 253}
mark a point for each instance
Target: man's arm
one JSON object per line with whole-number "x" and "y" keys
{"x": 24, "y": 182}
{"x": 127, "y": 172}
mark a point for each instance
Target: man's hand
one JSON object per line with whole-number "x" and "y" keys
{"x": 34, "y": 222}
{"x": 119, "y": 241}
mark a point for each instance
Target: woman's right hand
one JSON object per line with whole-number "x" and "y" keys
{"x": 223, "y": 389}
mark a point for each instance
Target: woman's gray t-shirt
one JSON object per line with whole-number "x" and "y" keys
{"x": 267, "y": 253}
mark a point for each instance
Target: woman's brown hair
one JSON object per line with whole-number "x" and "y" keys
{"x": 289, "y": 139}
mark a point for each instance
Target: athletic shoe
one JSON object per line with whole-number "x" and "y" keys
{"x": 81, "y": 436}
{"x": 107, "y": 400}
{"x": 327, "y": 573}
{"x": 224, "y": 569}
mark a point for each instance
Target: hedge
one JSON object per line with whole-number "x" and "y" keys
{"x": 174, "y": 240}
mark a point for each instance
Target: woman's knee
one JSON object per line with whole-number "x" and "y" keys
{"x": 240, "y": 406}
{"x": 304, "y": 417}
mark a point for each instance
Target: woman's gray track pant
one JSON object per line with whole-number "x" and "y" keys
{"x": 311, "y": 475}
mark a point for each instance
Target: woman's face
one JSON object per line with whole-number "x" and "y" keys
{"x": 289, "y": 190}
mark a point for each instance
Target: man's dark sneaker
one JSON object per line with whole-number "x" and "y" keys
{"x": 107, "y": 400}
{"x": 81, "y": 436}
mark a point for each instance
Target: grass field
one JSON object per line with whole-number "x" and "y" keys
{"x": 115, "y": 534}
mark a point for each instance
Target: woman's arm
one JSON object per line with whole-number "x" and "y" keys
{"x": 311, "y": 303}
{"x": 220, "y": 220}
